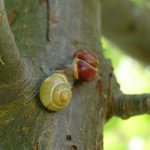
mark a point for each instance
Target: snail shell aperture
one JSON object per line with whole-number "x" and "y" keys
{"x": 85, "y": 66}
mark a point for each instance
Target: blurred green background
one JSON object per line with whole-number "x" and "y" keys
{"x": 133, "y": 133}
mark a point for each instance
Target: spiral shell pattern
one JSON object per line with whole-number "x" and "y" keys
{"x": 55, "y": 92}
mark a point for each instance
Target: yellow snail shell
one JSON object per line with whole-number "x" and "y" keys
{"x": 55, "y": 92}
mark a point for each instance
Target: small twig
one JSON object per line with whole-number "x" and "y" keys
{"x": 126, "y": 106}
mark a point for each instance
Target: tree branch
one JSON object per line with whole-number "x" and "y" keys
{"x": 10, "y": 60}
{"x": 14, "y": 72}
{"x": 126, "y": 106}
{"x": 127, "y": 26}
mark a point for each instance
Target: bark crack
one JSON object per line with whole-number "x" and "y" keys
{"x": 48, "y": 20}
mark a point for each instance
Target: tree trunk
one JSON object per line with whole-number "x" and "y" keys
{"x": 47, "y": 34}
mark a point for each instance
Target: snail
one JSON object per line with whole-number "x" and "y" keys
{"x": 85, "y": 66}
{"x": 55, "y": 92}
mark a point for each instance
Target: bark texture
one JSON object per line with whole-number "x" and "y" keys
{"x": 9, "y": 58}
{"x": 16, "y": 76}
{"x": 47, "y": 34}
{"x": 126, "y": 106}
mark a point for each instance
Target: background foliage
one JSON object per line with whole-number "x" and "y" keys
{"x": 134, "y": 133}
{"x": 134, "y": 77}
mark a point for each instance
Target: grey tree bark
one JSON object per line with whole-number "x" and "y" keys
{"x": 47, "y": 33}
